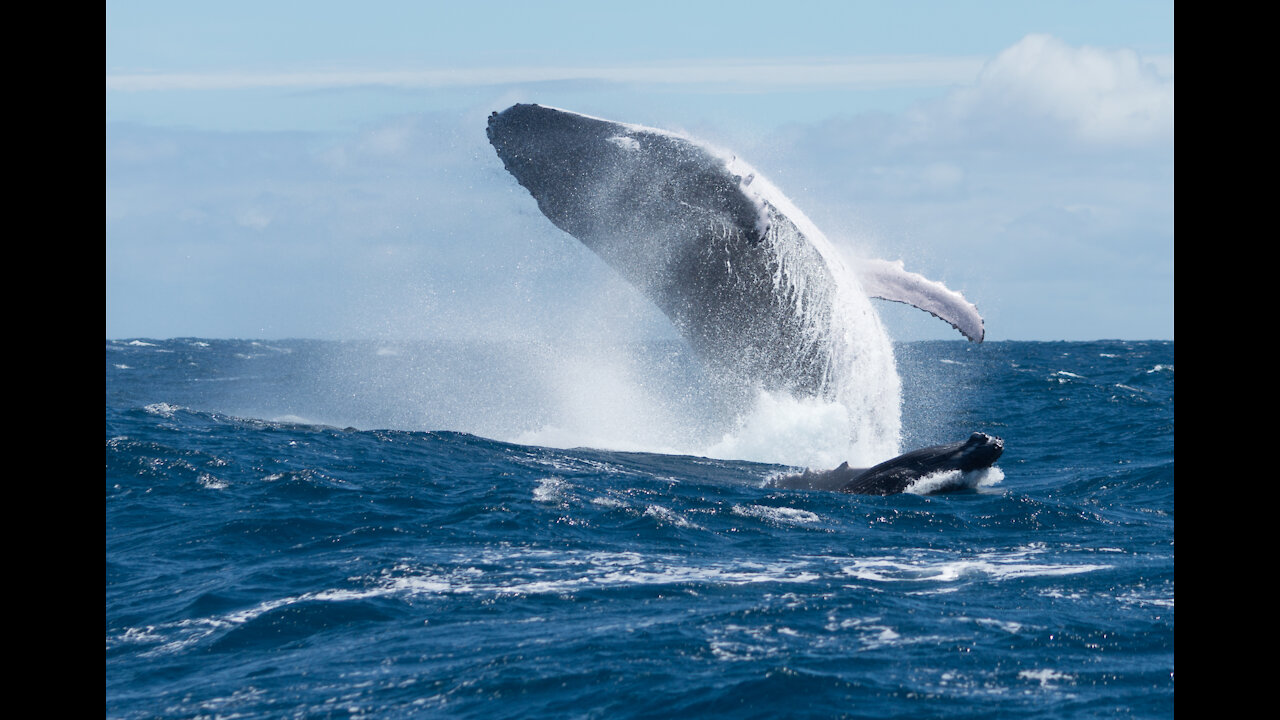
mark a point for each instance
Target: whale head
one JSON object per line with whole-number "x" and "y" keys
{"x": 547, "y": 141}
{"x": 979, "y": 451}
{"x": 633, "y": 194}
{"x": 566, "y": 159}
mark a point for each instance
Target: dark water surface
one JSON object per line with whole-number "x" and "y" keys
{"x": 263, "y": 562}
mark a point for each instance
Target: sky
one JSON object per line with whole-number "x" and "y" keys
{"x": 320, "y": 169}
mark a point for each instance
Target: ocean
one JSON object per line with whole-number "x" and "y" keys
{"x": 317, "y": 529}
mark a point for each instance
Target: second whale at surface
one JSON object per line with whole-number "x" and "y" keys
{"x": 899, "y": 474}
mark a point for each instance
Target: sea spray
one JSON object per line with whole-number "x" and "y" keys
{"x": 601, "y": 392}
{"x": 861, "y": 390}
{"x": 779, "y": 428}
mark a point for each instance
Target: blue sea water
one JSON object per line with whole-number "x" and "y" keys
{"x": 298, "y": 529}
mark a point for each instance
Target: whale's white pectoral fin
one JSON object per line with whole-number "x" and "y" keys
{"x": 890, "y": 281}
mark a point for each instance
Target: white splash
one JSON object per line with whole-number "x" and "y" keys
{"x": 781, "y": 429}
{"x": 779, "y": 515}
{"x": 163, "y": 409}
{"x": 551, "y": 490}
{"x": 946, "y": 480}
{"x": 1045, "y": 676}
{"x": 945, "y": 569}
{"x": 861, "y": 374}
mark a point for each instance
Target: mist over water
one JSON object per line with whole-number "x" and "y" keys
{"x": 595, "y": 386}
{"x": 602, "y": 381}
{"x": 654, "y": 396}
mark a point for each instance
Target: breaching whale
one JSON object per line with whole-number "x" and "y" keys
{"x": 980, "y": 451}
{"x": 743, "y": 275}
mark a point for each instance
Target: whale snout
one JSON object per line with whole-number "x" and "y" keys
{"x": 981, "y": 438}
{"x": 981, "y": 450}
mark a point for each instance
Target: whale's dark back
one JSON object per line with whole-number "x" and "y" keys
{"x": 896, "y": 475}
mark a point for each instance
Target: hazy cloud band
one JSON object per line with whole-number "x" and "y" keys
{"x": 871, "y": 72}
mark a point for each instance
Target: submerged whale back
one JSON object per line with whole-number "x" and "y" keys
{"x": 896, "y": 475}
{"x": 893, "y": 476}
{"x": 735, "y": 275}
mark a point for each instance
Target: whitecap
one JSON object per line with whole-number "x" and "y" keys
{"x": 163, "y": 409}
{"x": 551, "y": 490}
{"x": 670, "y": 517}
{"x": 211, "y": 482}
{"x": 1044, "y": 676}
{"x": 782, "y": 515}
{"x": 995, "y": 566}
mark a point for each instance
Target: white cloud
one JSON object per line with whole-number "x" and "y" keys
{"x": 1043, "y": 191}
{"x": 1041, "y": 86}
